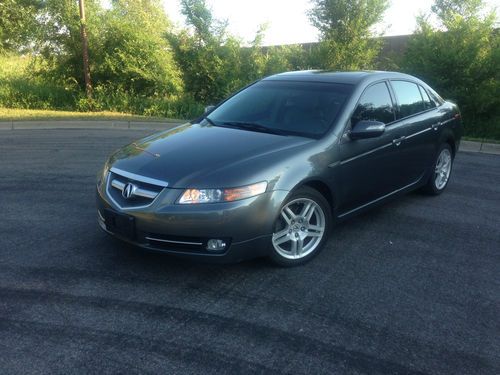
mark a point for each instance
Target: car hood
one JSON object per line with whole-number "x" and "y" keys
{"x": 195, "y": 155}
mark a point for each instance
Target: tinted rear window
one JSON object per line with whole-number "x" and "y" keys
{"x": 409, "y": 98}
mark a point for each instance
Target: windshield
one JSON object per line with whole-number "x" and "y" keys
{"x": 284, "y": 107}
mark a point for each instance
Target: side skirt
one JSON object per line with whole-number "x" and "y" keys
{"x": 381, "y": 200}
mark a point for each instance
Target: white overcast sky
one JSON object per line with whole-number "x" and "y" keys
{"x": 287, "y": 19}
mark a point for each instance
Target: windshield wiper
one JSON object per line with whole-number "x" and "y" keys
{"x": 210, "y": 121}
{"x": 252, "y": 126}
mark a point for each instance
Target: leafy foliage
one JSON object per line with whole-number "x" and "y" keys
{"x": 134, "y": 55}
{"x": 140, "y": 64}
{"x": 215, "y": 63}
{"x": 126, "y": 45}
{"x": 460, "y": 58}
{"x": 208, "y": 56}
{"x": 19, "y": 89}
{"x": 17, "y": 23}
{"x": 346, "y": 27}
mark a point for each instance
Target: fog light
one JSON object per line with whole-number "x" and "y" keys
{"x": 215, "y": 245}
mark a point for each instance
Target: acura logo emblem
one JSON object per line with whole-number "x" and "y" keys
{"x": 128, "y": 191}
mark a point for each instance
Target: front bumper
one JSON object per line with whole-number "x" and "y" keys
{"x": 245, "y": 226}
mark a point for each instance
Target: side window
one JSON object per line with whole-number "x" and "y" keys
{"x": 435, "y": 97}
{"x": 375, "y": 104}
{"x": 428, "y": 103}
{"x": 409, "y": 98}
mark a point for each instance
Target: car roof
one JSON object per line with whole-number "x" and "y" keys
{"x": 353, "y": 78}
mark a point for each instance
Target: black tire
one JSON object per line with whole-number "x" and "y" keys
{"x": 433, "y": 187}
{"x": 321, "y": 210}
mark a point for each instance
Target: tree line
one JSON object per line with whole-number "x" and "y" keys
{"x": 140, "y": 63}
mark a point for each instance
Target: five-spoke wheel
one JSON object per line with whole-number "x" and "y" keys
{"x": 442, "y": 170}
{"x": 302, "y": 227}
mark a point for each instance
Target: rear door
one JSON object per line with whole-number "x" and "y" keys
{"x": 371, "y": 168}
{"x": 418, "y": 117}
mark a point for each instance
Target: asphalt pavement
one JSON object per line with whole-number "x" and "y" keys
{"x": 411, "y": 287}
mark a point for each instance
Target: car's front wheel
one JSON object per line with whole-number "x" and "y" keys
{"x": 302, "y": 228}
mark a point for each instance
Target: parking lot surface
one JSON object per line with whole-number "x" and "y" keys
{"x": 412, "y": 287}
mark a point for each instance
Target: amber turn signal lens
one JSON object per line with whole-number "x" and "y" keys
{"x": 244, "y": 192}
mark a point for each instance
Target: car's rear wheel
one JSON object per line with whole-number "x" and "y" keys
{"x": 442, "y": 169}
{"x": 301, "y": 229}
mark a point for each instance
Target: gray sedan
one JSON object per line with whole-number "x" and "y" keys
{"x": 269, "y": 171}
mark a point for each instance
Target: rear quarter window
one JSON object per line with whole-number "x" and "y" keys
{"x": 435, "y": 97}
{"x": 428, "y": 103}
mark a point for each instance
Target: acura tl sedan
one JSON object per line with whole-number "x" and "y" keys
{"x": 270, "y": 170}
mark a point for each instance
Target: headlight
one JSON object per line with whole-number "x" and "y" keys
{"x": 194, "y": 196}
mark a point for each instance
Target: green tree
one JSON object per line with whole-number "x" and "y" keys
{"x": 214, "y": 63}
{"x": 17, "y": 23}
{"x": 134, "y": 55}
{"x": 208, "y": 56}
{"x": 459, "y": 56}
{"x": 346, "y": 27}
{"x": 128, "y": 52}
{"x": 57, "y": 39}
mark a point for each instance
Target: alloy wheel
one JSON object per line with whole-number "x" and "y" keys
{"x": 300, "y": 229}
{"x": 443, "y": 169}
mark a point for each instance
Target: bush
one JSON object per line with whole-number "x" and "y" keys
{"x": 110, "y": 99}
{"x": 19, "y": 88}
{"x": 462, "y": 62}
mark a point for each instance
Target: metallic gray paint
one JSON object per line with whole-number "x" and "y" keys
{"x": 358, "y": 173}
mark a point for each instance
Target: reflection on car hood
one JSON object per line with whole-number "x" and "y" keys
{"x": 191, "y": 155}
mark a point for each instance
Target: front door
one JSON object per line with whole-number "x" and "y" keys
{"x": 371, "y": 168}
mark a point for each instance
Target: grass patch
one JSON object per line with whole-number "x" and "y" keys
{"x": 22, "y": 86}
{"x": 15, "y": 114}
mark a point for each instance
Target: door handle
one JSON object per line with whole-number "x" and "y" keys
{"x": 398, "y": 141}
{"x": 436, "y": 125}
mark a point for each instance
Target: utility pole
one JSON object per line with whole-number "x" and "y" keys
{"x": 85, "y": 50}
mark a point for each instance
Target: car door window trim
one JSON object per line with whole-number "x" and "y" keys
{"x": 345, "y": 131}
{"x": 397, "y": 99}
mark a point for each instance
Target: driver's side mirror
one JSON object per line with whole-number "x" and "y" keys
{"x": 367, "y": 129}
{"x": 209, "y": 109}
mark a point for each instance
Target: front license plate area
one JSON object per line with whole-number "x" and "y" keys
{"x": 120, "y": 224}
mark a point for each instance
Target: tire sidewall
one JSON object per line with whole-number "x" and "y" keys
{"x": 432, "y": 182}
{"x": 309, "y": 193}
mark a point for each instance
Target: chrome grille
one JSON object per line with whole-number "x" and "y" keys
{"x": 129, "y": 190}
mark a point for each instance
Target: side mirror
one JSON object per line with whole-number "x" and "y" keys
{"x": 367, "y": 129}
{"x": 209, "y": 108}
